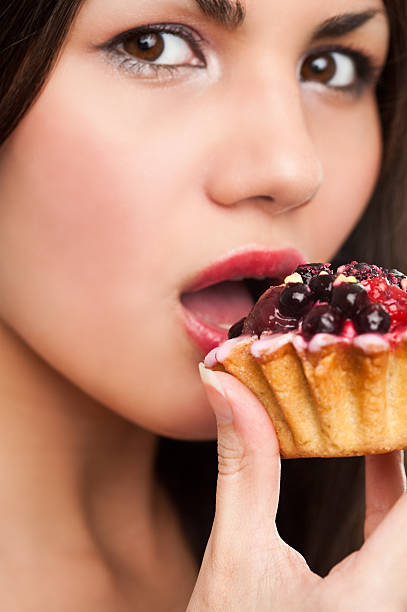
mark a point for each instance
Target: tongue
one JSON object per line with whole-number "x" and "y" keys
{"x": 222, "y": 304}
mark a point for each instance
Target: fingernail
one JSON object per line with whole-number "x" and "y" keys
{"x": 216, "y": 395}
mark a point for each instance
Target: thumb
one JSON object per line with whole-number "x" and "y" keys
{"x": 248, "y": 464}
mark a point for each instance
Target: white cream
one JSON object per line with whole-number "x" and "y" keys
{"x": 270, "y": 343}
{"x": 222, "y": 352}
{"x": 371, "y": 343}
{"x": 319, "y": 341}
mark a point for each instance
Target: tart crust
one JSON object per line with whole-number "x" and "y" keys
{"x": 337, "y": 401}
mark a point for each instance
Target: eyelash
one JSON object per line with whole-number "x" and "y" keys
{"x": 367, "y": 70}
{"x": 127, "y": 62}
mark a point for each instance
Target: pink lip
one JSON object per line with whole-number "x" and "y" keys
{"x": 247, "y": 262}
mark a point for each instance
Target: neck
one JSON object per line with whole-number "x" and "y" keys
{"x": 86, "y": 475}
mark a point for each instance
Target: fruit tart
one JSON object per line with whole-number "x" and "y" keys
{"x": 326, "y": 354}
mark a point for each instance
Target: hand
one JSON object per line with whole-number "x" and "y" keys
{"x": 248, "y": 567}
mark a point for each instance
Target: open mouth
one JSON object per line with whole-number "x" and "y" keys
{"x": 224, "y": 303}
{"x": 226, "y": 291}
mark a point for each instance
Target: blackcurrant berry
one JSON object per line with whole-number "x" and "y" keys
{"x": 322, "y": 318}
{"x": 236, "y": 329}
{"x": 321, "y": 287}
{"x": 373, "y": 319}
{"x": 295, "y": 299}
{"x": 349, "y": 298}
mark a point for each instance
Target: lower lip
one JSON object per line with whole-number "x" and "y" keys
{"x": 207, "y": 336}
{"x": 204, "y": 335}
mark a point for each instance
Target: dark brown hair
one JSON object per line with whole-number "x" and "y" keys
{"x": 321, "y": 505}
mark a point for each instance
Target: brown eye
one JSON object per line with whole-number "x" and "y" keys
{"x": 162, "y": 48}
{"x": 331, "y": 68}
{"x": 147, "y": 46}
{"x": 320, "y": 67}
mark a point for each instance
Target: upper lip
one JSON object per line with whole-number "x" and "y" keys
{"x": 248, "y": 262}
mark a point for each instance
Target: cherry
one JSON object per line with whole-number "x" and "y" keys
{"x": 349, "y": 298}
{"x": 266, "y": 315}
{"x": 323, "y": 318}
{"x": 391, "y": 297}
{"x": 295, "y": 299}
{"x": 373, "y": 319}
{"x": 321, "y": 286}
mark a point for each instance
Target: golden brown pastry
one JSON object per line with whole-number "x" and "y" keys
{"x": 326, "y": 354}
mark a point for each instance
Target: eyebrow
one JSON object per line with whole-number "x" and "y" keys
{"x": 229, "y": 13}
{"x": 343, "y": 24}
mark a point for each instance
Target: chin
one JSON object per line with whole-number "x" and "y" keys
{"x": 190, "y": 418}
{"x": 187, "y": 425}
{"x": 182, "y": 413}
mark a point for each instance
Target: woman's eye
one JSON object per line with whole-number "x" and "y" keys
{"x": 330, "y": 68}
{"x": 161, "y": 48}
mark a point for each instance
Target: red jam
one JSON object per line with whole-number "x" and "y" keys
{"x": 391, "y": 297}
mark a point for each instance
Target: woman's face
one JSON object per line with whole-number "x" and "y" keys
{"x": 149, "y": 157}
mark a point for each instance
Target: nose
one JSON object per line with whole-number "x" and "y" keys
{"x": 264, "y": 151}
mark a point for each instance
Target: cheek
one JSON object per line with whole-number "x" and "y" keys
{"x": 93, "y": 181}
{"x": 350, "y": 150}
{"x": 86, "y": 225}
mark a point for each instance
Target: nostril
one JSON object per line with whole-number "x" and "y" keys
{"x": 263, "y": 197}
{"x": 281, "y": 207}
{"x": 278, "y": 205}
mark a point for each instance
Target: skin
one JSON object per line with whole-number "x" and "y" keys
{"x": 108, "y": 174}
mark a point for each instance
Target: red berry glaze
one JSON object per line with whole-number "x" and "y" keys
{"x": 391, "y": 297}
{"x": 267, "y": 316}
{"x": 357, "y": 298}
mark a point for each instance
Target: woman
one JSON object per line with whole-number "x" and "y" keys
{"x": 143, "y": 146}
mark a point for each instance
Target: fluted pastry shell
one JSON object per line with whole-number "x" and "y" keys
{"x": 339, "y": 400}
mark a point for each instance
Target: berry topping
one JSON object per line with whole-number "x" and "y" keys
{"x": 236, "y": 329}
{"x": 349, "y": 298}
{"x": 391, "y": 297}
{"x": 373, "y": 319}
{"x": 321, "y": 286}
{"x": 357, "y": 298}
{"x": 322, "y": 319}
{"x": 266, "y": 315}
{"x": 378, "y": 289}
{"x": 361, "y": 271}
{"x": 396, "y": 278}
{"x": 307, "y": 271}
{"x": 295, "y": 299}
